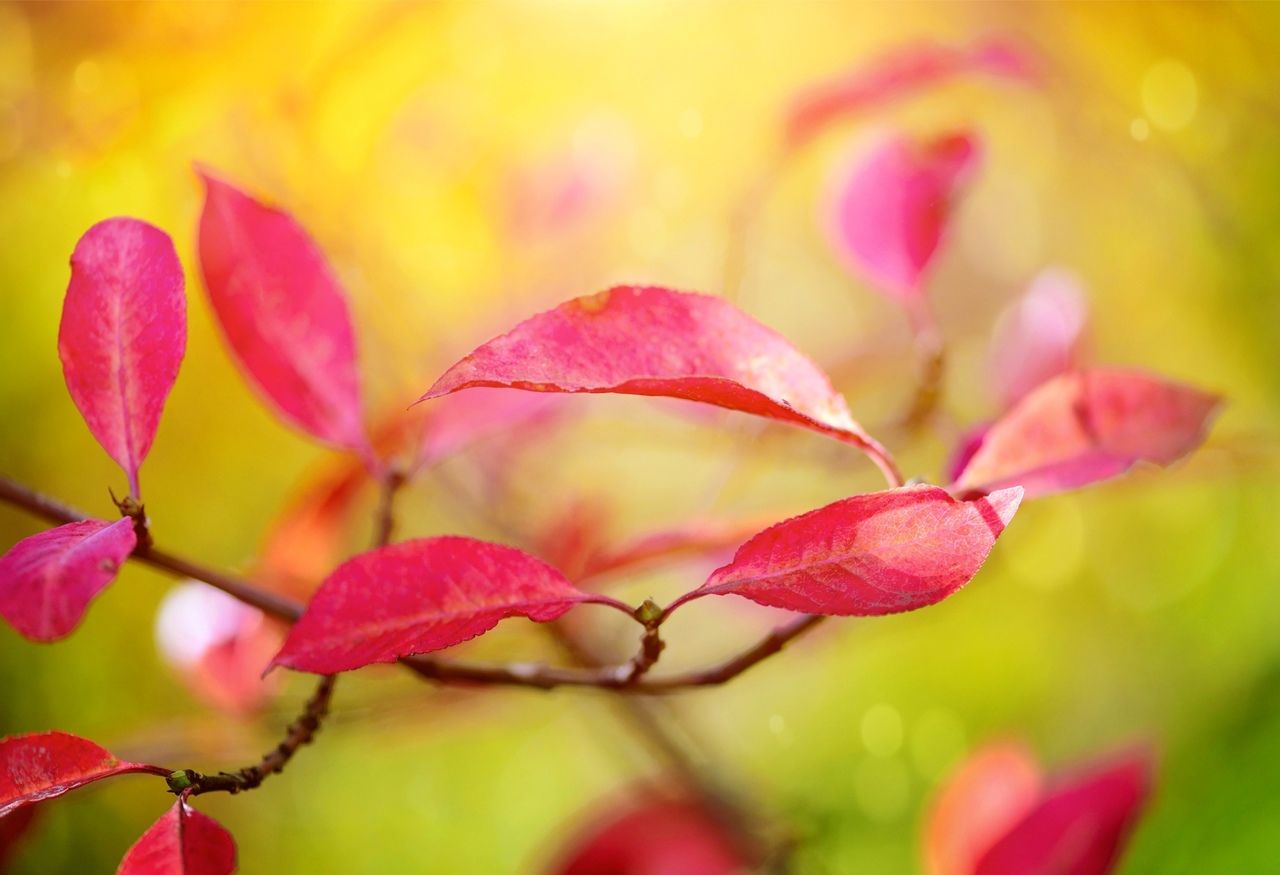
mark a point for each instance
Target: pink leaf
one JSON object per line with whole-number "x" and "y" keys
{"x": 1086, "y": 426}
{"x": 902, "y": 73}
{"x": 986, "y": 796}
{"x": 48, "y": 579}
{"x": 1038, "y": 336}
{"x": 123, "y": 334}
{"x": 869, "y": 555}
{"x": 283, "y": 313}
{"x": 47, "y": 764}
{"x": 1079, "y": 829}
{"x": 653, "y": 837}
{"x": 459, "y": 422}
{"x": 182, "y": 842}
{"x": 644, "y": 340}
{"x": 890, "y": 210}
{"x": 419, "y": 596}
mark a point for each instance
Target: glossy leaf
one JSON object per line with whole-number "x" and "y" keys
{"x": 869, "y": 555}
{"x": 1038, "y": 336}
{"x": 282, "y": 313}
{"x": 902, "y": 73}
{"x": 891, "y": 208}
{"x": 1078, "y": 829}
{"x": 644, "y": 340}
{"x": 1086, "y": 426}
{"x": 123, "y": 335}
{"x": 47, "y": 764}
{"x": 989, "y": 793}
{"x": 652, "y": 837}
{"x": 420, "y": 596}
{"x": 48, "y": 580}
{"x": 182, "y": 842}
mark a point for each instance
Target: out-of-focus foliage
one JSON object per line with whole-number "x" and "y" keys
{"x": 463, "y": 165}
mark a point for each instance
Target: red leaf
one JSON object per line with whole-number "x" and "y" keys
{"x": 182, "y": 842}
{"x": 1038, "y": 336}
{"x": 869, "y": 555}
{"x": 644, "y": 340}
{"x": 419, "y": 596}
{"x": 1079, "y": 829}
{"x": 653, "y": 837}
{"x": 891, "y": 208}
{"x": 986, "y": 796}
{"x": 13, "y": 826}
{"x": 123, "y": 335}
{"x": 1086, "y": 426}
{"x": 283, "y": 313}
{"x": 47, "y": 764}
{"x": 48, "y": 579}
{"x": 898, "y": 75}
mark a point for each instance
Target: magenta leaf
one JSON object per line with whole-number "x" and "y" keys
{"x": 891, "y": 209}
{"x": 869, "y": 555}
{"x": 1038, "y": 336}
{"x": 282, "y": 313}
{"x": 47, "y": 764}
{"x": 653, "y": 836}
{"x": 1086, "y": 426}
{"x": 645, "y": 340}
{"x": 419, "y": 596}
{"x": 48, "y": 579}
{"x": 182, "y": 842}
{"x": 902, "y": 73}
{"x": 1078, "y": 829}
{"x": 123, "y": 335}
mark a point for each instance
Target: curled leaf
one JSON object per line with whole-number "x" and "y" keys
{"x": 123, "y": 334}
{"x": 1086, "y": 426}
{"x": 1079, "y": 828}
{"x": 899, "y": 74}
{"x": 645, "y": 340}
{"x": 282, "y": 313}
{"x": 47, "y": 764}
{"x": 1038, "y": 336}
{"x": 48, "y": 580}
{"x": 891, "y": 208}
{"x": 419, "y": 596}
{"x": 182, "y": 842}
{"x": 869, "y": 555}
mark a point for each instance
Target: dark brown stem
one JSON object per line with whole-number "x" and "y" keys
{"x": 300, "y": 733}
{"x": 528, "y": 675}
{"x": 384, "y": 521}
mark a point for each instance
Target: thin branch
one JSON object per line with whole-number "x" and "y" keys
{"x": 528, "y": 675}
{"x": 300, "y": 733}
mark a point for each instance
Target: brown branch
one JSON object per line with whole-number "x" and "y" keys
{"x": 300, "y": 733}
{"x": 528, "y": 675}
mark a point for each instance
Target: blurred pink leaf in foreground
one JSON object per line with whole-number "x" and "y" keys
{"x": 890, "y": 209}
{"x": 123, "y": 334}
{"x": 48, "y": 580}
{"x": 1086, "y": 426}
{"x": 1038, "y": 336}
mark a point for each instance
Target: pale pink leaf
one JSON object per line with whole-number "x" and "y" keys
{"x": 890, "y": 208}
{"x": 420, "y": 596}
{"x": 282, "y": 313}
{"x": 899, "y": 74}
{"x": 645, "y": 340}
{"x": 48, "y": 580}
{"x": 1038, "y": 336}
{"x": 1085, "y": 426}
{"x": 990, "y": 792}
{"x": 881, "y": 553}
{"x": 47, "y": 764}
{"x": 123, "y": 335}
{"x": 182, "y": 842}
{"x": 463, "y": 420}
{"x": 1080, "y": 828}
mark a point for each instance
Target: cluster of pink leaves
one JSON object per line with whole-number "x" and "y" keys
{"x": 287, "y": 322}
